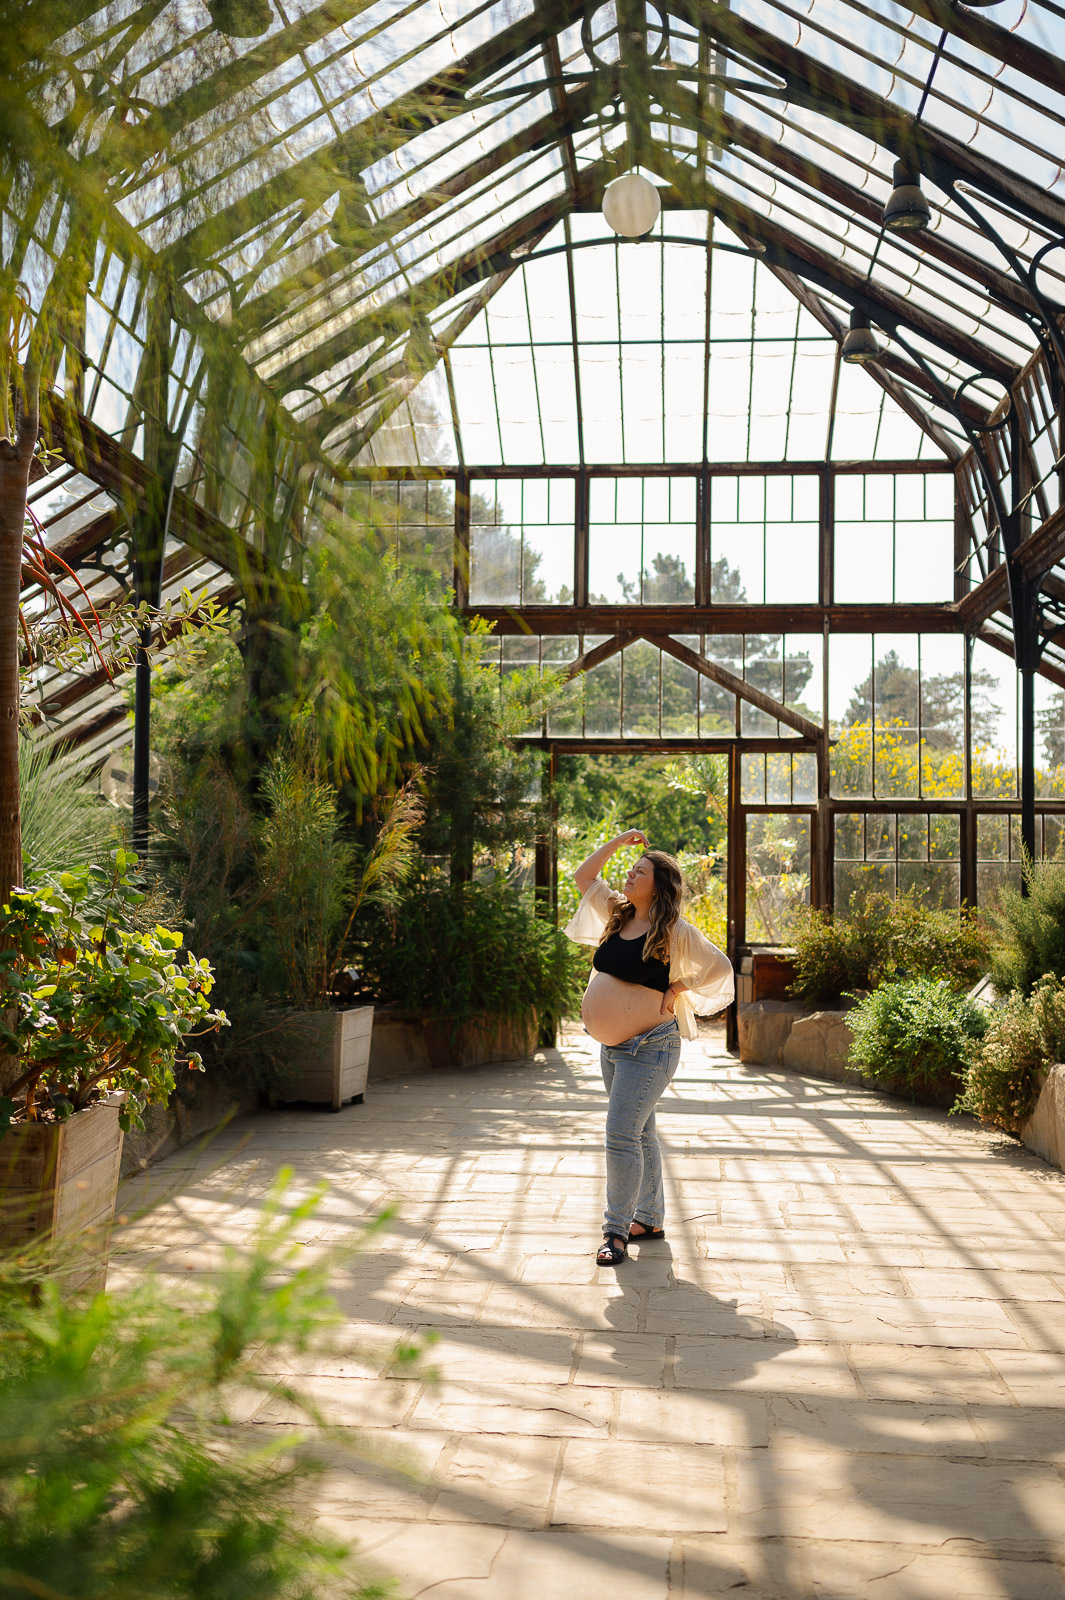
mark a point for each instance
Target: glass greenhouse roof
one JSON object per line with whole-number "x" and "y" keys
{"x": 372, "y": 236}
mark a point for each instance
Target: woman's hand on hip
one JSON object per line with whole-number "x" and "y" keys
{"x": 669, "y": 1001}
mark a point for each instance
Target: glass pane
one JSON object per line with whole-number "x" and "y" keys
{"x": 641, "y": 541}
{"x": 753, "y": 784}
{"x": 764, "y": 539}
{"x": 522, "y": 542}
{"x": 990, "y": 878}
{"x": 849, "y": 837}
{"x": 936, "y": 883}
{"x": 913, "y": 838}
{"x": 854, "y": 881}
{"x": 804, "y": 776}
{"x": 640, "y": 684}
{"x": 994, "y": 698}
{"x": 944, "y": 838}
{"x": 602, "y": 698}
{"x": 778, "y": 876}
{"x": 894, "y": 537}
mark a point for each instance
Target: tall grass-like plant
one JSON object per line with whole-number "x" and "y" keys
{"x": 315, "y": 883}
{"x": 1029, "y": 930}
{"x": 120, "y": 1476}
{"x": 916, "y": 1037}
{"x": 63, "y": 823}
{"x": 1024, "y": 1036}
{"x": 307, "y": 867}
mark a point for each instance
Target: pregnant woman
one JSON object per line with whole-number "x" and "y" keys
{"x": 652, "y": 970}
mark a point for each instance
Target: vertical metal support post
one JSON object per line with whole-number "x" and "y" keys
{"x": 967, "y": 842}
{"x": 735, "y": 909}
{"x": 149, "y": 528}
{"x": 546, "y": 879}
{"x": 823, "y": 884}
{"x": 1024, "y": 605}
{"x": 702, "y": 539}
{"x": 962, "y": 544}
{"x": 461, "y": 559}
{"x": 823, "y": 896}
{"x": 1027, "y": 769}
{"x": 142, "y": 742}
{"x": 827, "y": 499}
{"x": 967, "y": 850}
{"x": 580, "y": 540}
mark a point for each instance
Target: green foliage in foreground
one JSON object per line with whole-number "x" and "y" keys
{"x": 461, "y": 951}
{"x": 878, "y": 940}
{"x": 1029, "y": 930}
{"x": 917, "y": 1036}
{"x": 1024, "y": 1036}
{"x": 119, "y": 1477}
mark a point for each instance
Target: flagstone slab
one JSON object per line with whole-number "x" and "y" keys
{"x": 888, "y": 1572}
{"x": 1005, "y": 1508}
{"x": 554, "y": 1565}
{"x": 620, "y": 1360}
{"x": 877, "y": 1427}
{"x": 1034, "y": 1378}
{"x": 553, "y": 1410}
{"x": 635, "y": 1485}
{"x": 681, "y": 1416}
{"x": 767, "y": 1365}
{"x": 505, "y": 1479}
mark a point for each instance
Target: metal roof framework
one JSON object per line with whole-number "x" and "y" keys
{"x": 299, "y": 235}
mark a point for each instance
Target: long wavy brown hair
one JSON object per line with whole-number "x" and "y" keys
{"x": 665, "y": 907}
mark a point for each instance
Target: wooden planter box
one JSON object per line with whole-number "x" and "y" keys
{"x": 58, "y": 1182}
{"x": 405, "y": 1042}
{"x": 772, "y": 971}
{"x": 331, "y": 1057}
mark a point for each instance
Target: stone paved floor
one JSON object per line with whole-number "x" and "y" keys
{"x": 843, "y": 1376}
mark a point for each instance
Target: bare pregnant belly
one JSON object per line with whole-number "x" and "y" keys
{"x": 614, "y": 1010}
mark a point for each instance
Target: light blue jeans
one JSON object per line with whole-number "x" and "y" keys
{"x": 636, "y": 1074}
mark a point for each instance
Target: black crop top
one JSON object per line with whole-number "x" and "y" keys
{"x": 623, "y": 958}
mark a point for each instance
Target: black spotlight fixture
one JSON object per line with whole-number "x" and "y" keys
{"x": 859, "y": 343}
{"x": 907, "y": 211}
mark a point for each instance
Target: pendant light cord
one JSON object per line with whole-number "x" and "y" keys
{"x": 936, "y": 58}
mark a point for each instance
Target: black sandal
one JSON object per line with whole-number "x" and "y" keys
{"x": 648, "y": 1233}
{"x": 608, "y": 1254}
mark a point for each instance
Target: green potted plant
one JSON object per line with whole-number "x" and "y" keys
{"x": 317, "y": 886}
{"x": 98, "y": 1013}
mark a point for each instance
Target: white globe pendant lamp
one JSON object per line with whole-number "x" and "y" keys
{"x": 631, "y": 205}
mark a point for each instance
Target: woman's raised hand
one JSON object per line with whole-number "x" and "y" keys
{"x": 589, "y": 870}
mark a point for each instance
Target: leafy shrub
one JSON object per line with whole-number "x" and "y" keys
{"x": 93, "y": 1002}
{"x": 466, "y": 950}
{"x": 916, "y": 1036}
{"x": 879, "y": 940}
{"x": 119, "y": 1474}
{"x": 1024, "y": 1036}
{"x": 1029, "y": 930}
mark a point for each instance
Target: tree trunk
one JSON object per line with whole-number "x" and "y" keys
{"x": 16, "y": 458}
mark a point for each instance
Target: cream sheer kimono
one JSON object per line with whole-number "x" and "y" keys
{"x": 704, "y": 969}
